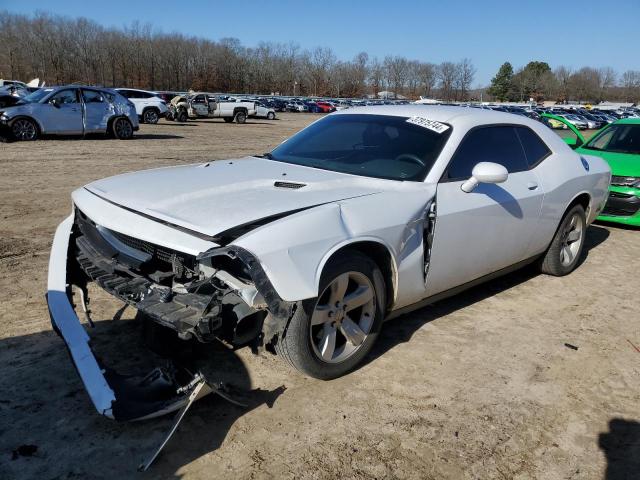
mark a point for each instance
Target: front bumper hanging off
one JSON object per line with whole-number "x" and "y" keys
{"x": 115, "y": 396}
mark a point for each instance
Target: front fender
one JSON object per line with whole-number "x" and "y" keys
{"x": 294, "y": 250}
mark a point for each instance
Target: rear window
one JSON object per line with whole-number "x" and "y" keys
{"x": 534, "y": 148}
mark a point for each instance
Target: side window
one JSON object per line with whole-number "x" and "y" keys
{"x": 498, "y": 144}
{"x": 125, "y": 93}
{"x": 199, "y": 99}
{"x": 534, "y": 148}
{"x": 91, "y": 96}
{"x": 65, "y": 96}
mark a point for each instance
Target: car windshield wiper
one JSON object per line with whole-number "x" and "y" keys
{"x": 267, "y": 155}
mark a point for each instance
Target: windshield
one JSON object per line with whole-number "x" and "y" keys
{"x": 36, "y": 96}
{"x": 378, "y": 146}
{"x": 621, "y": 138}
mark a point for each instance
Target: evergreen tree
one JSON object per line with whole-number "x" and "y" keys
{"x": 501, "y": 85}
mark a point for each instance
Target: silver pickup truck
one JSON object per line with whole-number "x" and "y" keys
{"x": 208, "y": 105}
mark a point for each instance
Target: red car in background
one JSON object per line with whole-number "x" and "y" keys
{"x": 326, "y": 107}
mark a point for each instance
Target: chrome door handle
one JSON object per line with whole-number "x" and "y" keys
{"x": 532, "y": 185}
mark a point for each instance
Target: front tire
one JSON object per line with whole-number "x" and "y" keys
{"x": 564, "y": 253}
{"x": 122, "y": 129}
{"x": 24, "y": 129}
{"x": 329, "y": 336}
{"x": 271, "y": 116}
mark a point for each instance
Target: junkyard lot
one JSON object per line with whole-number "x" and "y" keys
{"x": 478, "y": 386}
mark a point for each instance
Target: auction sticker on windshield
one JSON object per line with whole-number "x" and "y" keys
{"x": 430, "y": 124}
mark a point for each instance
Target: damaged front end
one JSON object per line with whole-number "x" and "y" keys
{"x": 222, "y": 294}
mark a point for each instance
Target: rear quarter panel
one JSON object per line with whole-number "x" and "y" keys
{"x": 564, "y": 176}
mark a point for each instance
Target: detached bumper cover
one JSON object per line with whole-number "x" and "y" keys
{"x": 66, "y": 323}
{"x": 115, "y": 396}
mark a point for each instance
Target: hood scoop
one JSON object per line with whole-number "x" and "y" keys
{"x": 290, "y": 185}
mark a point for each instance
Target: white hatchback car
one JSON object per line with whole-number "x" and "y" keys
{"x": 149, "y": 106}
{"x": 364, "y": 215}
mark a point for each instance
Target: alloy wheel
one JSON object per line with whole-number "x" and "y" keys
{"x": 123, "y": 128}
{"x": 151, "y": 116}
{"x": 571, "y": 240}
{"x": 343, "y": 317}
{"x": 24, "y": 129}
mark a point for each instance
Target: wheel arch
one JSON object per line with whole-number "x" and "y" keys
{"x": 378, "y": 251}
{"x": 113, "y": 119}
{"x": 582, "y": 198}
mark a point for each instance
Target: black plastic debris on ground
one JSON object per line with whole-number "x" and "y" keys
{"x": 572, "y": 347}
{"x": 24, "y": 451}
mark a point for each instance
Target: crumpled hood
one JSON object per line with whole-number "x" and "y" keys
{"x": 213, "y": 197}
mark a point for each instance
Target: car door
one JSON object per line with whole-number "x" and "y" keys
{"x": 200, "y": 105}
{"x": 489, "y": 228}
{"x": 97, "y": 111}
{"x": 62, "y": 114}
{"x": 213, "y": 106}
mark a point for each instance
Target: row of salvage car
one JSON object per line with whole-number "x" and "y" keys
{"x": 27, "y": 114}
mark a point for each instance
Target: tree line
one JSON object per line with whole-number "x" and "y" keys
{"x": 587, "y": 84}
{"x": 62, "y": 50}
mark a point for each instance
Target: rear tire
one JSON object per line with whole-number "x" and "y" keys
{"x": 563, "y": 255}
{"x": 271, "y": 116}
{"x": 241, "y": 117}
{"x": 151, "y": 116}
{"x": 122, "y": 129}
{"x": 328, "y": 336}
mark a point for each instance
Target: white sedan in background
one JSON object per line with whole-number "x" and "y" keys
{"x": 262, "y": 111}
{"x": 364, "y": 215}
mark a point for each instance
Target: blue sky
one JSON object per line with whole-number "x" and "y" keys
{"x": 561, "y": 32}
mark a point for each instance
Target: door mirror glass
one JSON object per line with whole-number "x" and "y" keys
{"x": 485, "y": 172}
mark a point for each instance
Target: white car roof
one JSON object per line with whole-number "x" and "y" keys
{"x": 136, "y": 90}
{"x": 462, "y": 119}
{"x": 456, "y": 116}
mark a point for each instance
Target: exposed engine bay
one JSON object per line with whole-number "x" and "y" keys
{"x": 221, "y": 294}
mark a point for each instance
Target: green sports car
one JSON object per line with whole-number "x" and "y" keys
{"x": 619, "y": 145}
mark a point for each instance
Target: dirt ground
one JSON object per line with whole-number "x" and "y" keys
{"x": 478, "y": 386}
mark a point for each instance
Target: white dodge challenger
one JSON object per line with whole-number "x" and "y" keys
{"x": 364, "y": 215}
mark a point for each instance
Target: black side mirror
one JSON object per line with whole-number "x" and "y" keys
{"x": 55, "y": 102}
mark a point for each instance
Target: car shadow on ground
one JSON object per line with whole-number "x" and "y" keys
{"x": 169, "y": 123}
{"x": 43, "y": 403}
{"x": 155, "y": 136}
{"x": 250, "y": 121}
{"x": 621, "y": 447}
{"x": 401, "y": 329}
